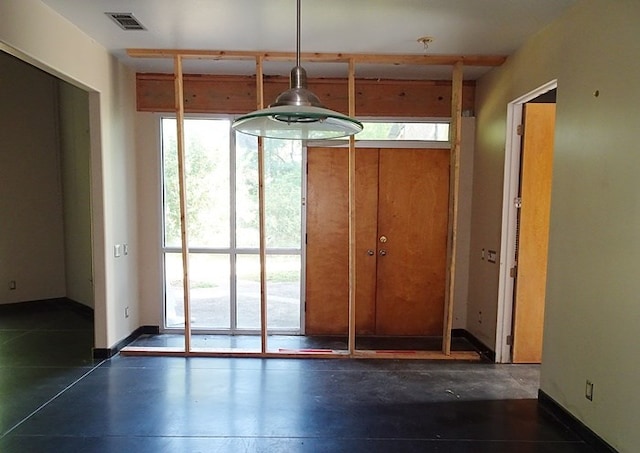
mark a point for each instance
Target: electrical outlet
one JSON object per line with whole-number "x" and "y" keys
{"x": 588, "y": 391}
{"x": 126, "y": 312}
{"x": 12, "y": 285}
{"x": 492, "y": 256}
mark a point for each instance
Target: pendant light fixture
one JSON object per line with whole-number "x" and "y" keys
{"x": 297, "y": 113}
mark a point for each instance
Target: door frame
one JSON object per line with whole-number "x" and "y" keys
{"x": 506, "y": 287}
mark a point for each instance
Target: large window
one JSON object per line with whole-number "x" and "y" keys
{"x": 222, "y": 205}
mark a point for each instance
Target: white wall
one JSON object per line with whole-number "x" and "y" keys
{"x": 31, "y": 229}
{"x": 75, "y": 149}
{"x": 592, "y": 309}
{"x": 35, "y": 33}
{"x": 150, "y": 222}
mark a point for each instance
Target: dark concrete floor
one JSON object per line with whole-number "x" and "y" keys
{"x": 54, "y": 397}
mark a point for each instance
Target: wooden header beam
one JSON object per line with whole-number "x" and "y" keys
{"x": 396, "y": 59}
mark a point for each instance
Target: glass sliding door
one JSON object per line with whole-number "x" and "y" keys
{"x": 222, "y": 206}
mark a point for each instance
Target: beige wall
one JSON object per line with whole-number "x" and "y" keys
{"x": 150, "y": 224}
{"x": 36, "y": 34}
{"x": 75, "y": 149}
{"x": 592, "y": 309}
{"x": 31, "y": 230}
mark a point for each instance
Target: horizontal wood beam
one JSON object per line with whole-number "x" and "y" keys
{"x": 395, "y": 59}
{"x": 206, "y": 93}
{"x": 301, "y": 354}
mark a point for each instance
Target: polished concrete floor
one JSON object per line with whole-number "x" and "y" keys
{"x": 54, "y": 397}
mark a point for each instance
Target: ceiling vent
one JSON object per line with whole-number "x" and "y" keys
{"x": 126, "y": 21}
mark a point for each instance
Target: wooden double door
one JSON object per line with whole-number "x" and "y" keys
{"x": 401, "y": 241}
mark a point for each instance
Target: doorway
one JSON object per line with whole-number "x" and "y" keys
{"x": 526, "y": 205}
{"x": 401, "y": 233}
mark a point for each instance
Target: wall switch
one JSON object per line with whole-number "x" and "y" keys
{"x": 588, "y": 391}
{"x": 12, "y": 285}
{"x": 125, "y": 249}
{"x": 117, "y": 250}
{"x": 126, "y": 312}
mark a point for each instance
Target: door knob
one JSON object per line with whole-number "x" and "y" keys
{"x": 383, "y": 252}
{"x": 370, "y": 252}
{"x": 383, "y": 239}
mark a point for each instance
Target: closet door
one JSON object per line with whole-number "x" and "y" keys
{"x": 401, "y": 194}
{"x": 413, "y": 189}
{"x": 327, "y": 257}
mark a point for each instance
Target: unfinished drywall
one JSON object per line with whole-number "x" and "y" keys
{"x": 75, "y": 149}
{"x": 35, "y": 33}
{"x": 592, "y": 309}
{"x": 31, "y": 236}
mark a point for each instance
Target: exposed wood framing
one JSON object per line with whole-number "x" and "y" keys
{"x": 208, "y": 93}
{"x": 261, "y": 215}
{"x": 411, "y": 59}
{"x": 456, "y": 61}
{"x": 455, "y": 130}
{"x": 179, "y": 103}
{"x": 352, "y": 214}
{"x": 301, "y": 354}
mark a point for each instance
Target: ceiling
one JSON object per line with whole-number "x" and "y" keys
{"x": 458, "y": 27}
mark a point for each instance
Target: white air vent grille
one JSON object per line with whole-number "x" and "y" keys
{"x": 126, "y": 21}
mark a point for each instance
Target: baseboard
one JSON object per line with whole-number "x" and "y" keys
{"x": 486, "y": 352}
{"x": 571, "y": 422}
{"x": 107, "y": 353}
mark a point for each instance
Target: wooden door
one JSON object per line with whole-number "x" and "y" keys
{"x": 404, "y": 192}
{"x": 412, "y": 216}
{"x": 535, "y": 183}
{"x": 327, "y": 257}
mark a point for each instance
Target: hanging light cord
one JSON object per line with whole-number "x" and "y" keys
{"x": 297, "y": 32}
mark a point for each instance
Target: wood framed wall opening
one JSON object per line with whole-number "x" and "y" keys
{"x": 450, "y": 162}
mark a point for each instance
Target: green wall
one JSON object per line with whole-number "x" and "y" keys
{"x": 592, "y": 306}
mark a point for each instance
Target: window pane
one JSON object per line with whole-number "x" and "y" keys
{"x": 425, "y": 131}
{"x": 283, "y": 192}
{"x": 247, "y": 235}
{"x": 248, "y": 291}
{"x": 283, "y": 292}
{"x": 170, "y": 187}
{"x": 209, "y": 290}
{"x": 173, "y": 290}
{"x": 207, "y": 179}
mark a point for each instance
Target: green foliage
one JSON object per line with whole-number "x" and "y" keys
{"x": 207, "y": 168}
